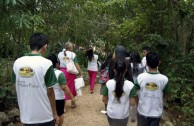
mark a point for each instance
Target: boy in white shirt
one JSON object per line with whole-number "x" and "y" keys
{"x": 59, "y": 88}
{"x": 146, "y": 50}
{"x": 152, "y": 86}
{"x": 34, "y": 78}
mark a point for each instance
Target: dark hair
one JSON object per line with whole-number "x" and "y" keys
{"x": 90, "y": 54}
{"x": 135, "y": 57}
{"x": 120, "y": 70}
{"x": 37, "y": 41}
{"x": 107, "y": 61}
{"x": 53, "y": 58}
{"x": 128, "y": 54}
{"x": 120, "y": 52}
{"x": 146, "y": 48}
{"x": 152, "y": 59}
{"x": 135, "y": 61}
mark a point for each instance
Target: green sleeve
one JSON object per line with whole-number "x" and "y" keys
{"x": 75, "y": 60}
{"x": 167, "y": 89}
{"x": 105, "y": 91}
{"x": 50, "y": 78}
{"x": 136, "y": 85}
{"x": 13, "y": 78}
{"x": 133, "y": 92}
{"x": 61, "y": 79}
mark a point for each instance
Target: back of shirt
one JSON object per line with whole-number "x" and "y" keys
{"x": 92, "y": 65}
{"x": 151, "y": 87}
{"x": 115, "y": 109}
{"x": 136, "y": 69}
{"x": 33, "y": 75}
{"x": 62, "y": 58}
{"x": 59, "y": 93}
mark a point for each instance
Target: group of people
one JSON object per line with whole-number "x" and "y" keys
{"x": 134, "y": 83}
{"x": 43, "y": 84}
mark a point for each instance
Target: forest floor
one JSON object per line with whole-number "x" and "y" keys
{"x": 87, "y": 112}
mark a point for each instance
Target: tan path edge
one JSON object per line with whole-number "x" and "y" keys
{"x": 87, "y": 112}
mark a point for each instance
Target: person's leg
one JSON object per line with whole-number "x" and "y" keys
{"x": 94, "y": 74}
{"x": 142, "y": 120}
{"x": 90, "y": 79}
{"x": 61, "y": 120}
{"x": 60, "y": 110}
{"x": 154, "y": 121}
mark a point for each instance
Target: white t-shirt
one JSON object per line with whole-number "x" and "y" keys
{"x": 115, "y": 109}
{"x": 151, "y": 86}
{"x": 33, "y": 75}
{"x": 62, "y": 57}
{"x": 92, "y": 65}
{"x": 143, "y": 62}
{"x": 59, "y": 94}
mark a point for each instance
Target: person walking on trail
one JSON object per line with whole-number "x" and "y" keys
{"x": 59, "y": 89}
{"x": 92, "y": 67}
{"x": 152, "y": 86}
{"x": 34, "y": 77}
{"x": 120, "y": 53}
{"x": 67, "y": 52}
{"x": 104, "y": 76}
{"x": 119, "y": 94}
{"x": 146, "y": 50}
{"x": 136, "y": 69}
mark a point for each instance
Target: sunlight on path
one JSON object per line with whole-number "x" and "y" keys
{"x": 87, "y": 112}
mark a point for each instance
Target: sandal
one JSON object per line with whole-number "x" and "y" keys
{"x": 73, "y": 104}
{"x": 65, "y": 111}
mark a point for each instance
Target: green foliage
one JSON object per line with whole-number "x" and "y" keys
{"x": 166, "y": 26}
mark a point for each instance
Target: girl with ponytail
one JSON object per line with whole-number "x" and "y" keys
{"x": 119, "y": 94}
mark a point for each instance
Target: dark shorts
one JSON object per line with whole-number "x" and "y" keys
{"x": 51, "y": 123}
{"x": 60, "y": 107}
{"x": 147, "y": 121}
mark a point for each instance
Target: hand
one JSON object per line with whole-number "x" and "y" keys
{"x": 81, "y": 75}
{"x": 56, "y": 119}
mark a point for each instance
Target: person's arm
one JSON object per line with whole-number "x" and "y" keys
{"x": 75, "y": 60}
{"x": 132, "y": 101}
{"x": 67, "y": 92}
{"x": 64, "y": 87}
{"x": 79, "y": 69}
{"x": 50, "y": 80}
{"x": 51, "y": 96}
{"x": 105, "y": 95}
{"x": 132, "y": 96}
{"x": 166, "y": 91}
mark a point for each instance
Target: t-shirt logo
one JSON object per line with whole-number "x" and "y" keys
{"x": 26, "y": 72}
{"x": 66, "y": 58}
{"x": 151, "y": 86}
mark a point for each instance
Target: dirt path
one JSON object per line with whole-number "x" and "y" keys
{"x": 87, "y": 112}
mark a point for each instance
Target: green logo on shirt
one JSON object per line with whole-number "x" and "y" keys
{"x": 151, "y": 86}
{"x": 26, "y": 72}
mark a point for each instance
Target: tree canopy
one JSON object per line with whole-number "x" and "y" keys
{"x": 164, "y": 25}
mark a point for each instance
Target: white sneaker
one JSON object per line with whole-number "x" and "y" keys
{"x": 103, "y": 111}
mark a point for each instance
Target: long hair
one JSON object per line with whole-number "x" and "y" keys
{"x": 107, "y": 61}
{"x": 135, "y": 61}
{"x": 90, "y": 54}
{"x": 120, "y": 70}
